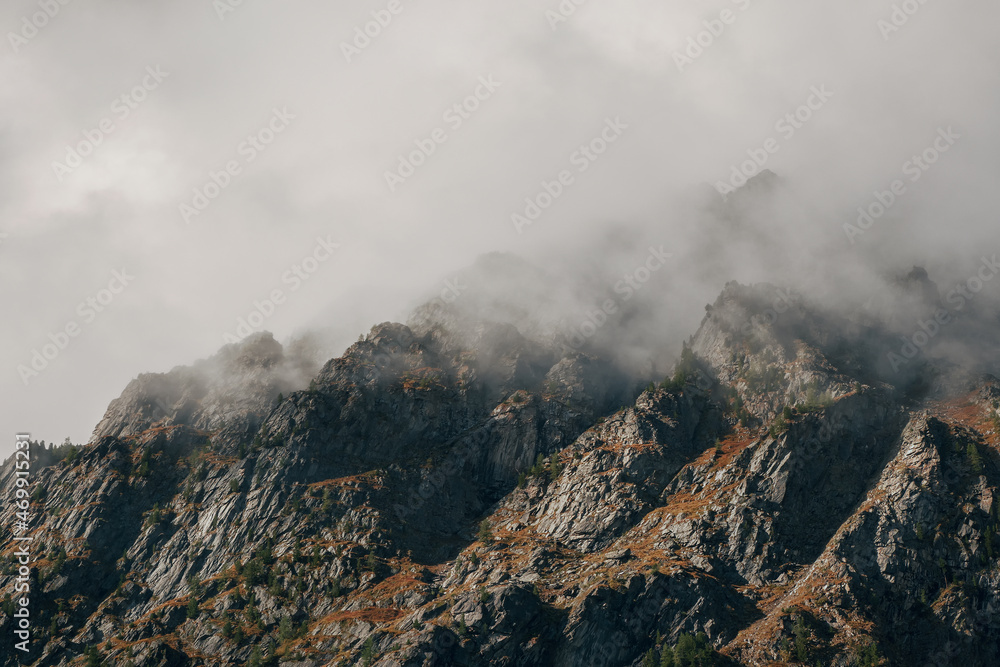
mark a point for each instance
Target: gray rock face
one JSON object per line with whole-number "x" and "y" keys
{"x": 469, "y": 492}
{"x": 227, "y": 395}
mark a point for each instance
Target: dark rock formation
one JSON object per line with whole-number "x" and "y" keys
{"x": 469, "y": 491}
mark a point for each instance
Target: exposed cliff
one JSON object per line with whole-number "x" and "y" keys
{"x": 467, "y": 490}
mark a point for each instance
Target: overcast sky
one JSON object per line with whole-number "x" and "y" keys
{"x": 338, "y": 119}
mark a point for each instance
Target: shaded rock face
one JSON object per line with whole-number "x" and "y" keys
{"x": 228, "y": 395}
{"x": 468, "y": 491}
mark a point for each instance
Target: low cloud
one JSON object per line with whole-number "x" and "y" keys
{"x": 893, "y": 90}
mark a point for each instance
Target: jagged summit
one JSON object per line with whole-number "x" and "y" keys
{"x": 763, "y": 182}
{"x": 228, "y": 393}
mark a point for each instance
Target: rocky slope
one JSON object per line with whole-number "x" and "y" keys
{"x": 471, "y": 491}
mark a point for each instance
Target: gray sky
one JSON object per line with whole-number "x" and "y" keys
{"x": 341, "y": 125}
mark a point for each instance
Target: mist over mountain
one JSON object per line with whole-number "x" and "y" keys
{"x": 632, "y": 300}
{"x": 887, "y": 97}
{"x": 540, "y": 467}
{"x": 617, "y": 334}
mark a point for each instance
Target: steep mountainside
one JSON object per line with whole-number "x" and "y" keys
{"x": 467, "y": 491}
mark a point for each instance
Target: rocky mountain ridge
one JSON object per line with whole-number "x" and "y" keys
{"x": 464, "y": 491}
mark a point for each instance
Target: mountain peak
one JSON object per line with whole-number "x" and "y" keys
{"x": 465, "y": 489}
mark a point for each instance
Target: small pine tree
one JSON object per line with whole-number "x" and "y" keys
{"x": 802, "y": 634}
{"x": 485, "y": 532}
{"x": 194, "y": 585}
{"x": 192, "y": 608}
{"x": 273, "y": 587}
{"x": 554, "y": 466}
{"x": 975, "y": 460}
{"x": 285, "y": 629}
{"x": 144, "y": 463}
{"x": 368, "y": 652}
{"x": 868, "y": 655}
{"x": 684, "y": 652}
{"x": 539, "y": 466}
{"x": 779, "y": 426}
{"x": 690, "y": 651}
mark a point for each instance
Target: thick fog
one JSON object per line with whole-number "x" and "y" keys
{"x": 169, "y": 169}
